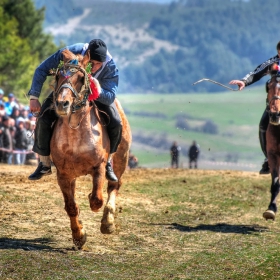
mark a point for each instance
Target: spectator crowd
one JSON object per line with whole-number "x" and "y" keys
{"x": 16, "y": 131}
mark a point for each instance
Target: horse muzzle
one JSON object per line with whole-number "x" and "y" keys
{"x": 62, "y": 108}
{"x": 274, "y": 118}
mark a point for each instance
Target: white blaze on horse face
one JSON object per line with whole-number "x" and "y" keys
{"x": 64, "y": 93}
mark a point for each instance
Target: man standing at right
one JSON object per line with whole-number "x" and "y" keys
{"x": 252, "y": 77}
{"x": 194, "y": 151}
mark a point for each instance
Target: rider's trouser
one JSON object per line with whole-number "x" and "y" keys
{"x": 43, "y": 130}
{"x": 114, "y": 127}
{"x": 262, "y": 131}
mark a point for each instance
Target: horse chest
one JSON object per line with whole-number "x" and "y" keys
{"x": 77, "y": 143}
{"x": 272, "y": 137}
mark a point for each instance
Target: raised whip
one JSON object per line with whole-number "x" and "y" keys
{"x": 214, "y": 82}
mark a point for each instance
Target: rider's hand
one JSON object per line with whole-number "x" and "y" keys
{"x": 240, "y": 84}
{"x": 95, "y": 88}
{"x": 35, "y": 106}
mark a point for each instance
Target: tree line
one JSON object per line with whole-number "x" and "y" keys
{"x": 218, "y": 39}
{"x": 215, "y": 39}
{"x": 23, "y": 44}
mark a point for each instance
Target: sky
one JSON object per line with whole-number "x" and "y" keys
{"x": 152, "y": 1}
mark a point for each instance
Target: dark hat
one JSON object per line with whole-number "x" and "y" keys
{"x": 4, "y": 118}
{"x": 98, "y": 50}
{"x": 11, "y": 95}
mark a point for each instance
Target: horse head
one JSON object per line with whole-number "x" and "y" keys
{"x": 273, "y": 96}
{"x": 72, "y": 84}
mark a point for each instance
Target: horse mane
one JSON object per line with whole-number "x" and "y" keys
{"x": 68, "y": 55}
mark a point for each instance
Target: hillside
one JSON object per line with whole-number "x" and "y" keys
{"x": 165, "y": 48}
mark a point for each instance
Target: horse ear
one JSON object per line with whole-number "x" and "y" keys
{"x": 86, "y": 58}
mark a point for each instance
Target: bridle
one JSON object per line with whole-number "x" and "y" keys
{"x": 274, "y": 117}
{"x": 68, "y": 71}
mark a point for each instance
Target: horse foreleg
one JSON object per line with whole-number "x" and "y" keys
{"x": 274, "y": 190}
{"x": 96, "y": 196}
{"x": 119, "y": 164}
{"x": 108, "y": 219}
{"x": 71, "y": 207}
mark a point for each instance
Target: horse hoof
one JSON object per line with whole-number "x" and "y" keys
{"x": 269, "y": 215}
{"x": 95, "y": 203}
{"x": 80, "y": 242}
{"x": 107, "y": 229}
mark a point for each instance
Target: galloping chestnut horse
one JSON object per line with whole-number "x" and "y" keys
{"x": 80, "y": 145}
{"x": 273, "y": 139}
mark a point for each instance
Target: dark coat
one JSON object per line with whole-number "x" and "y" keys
{"x": 194, "y": 152}
{"x": 21, "y": 139}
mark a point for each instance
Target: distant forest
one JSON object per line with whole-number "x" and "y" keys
{"x": 217, "y": 39}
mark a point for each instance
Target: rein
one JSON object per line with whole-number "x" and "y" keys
{"x": 275, "y": 97}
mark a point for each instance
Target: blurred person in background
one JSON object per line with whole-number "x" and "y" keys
{"x": 2, "y": 108}
{"x": 15, "y": 113}
{"x": 193, "y": 154}
{"x": 175, "y": 153}
{"x": 30, "y": 127}
{"x": 1, "y": 95}
{"x": 10, "y": 104}
{"x": 6, "y": 140}
{"x": 132, "y": 161}
{"x": 24, "y": 112}
{"x": 1, "y": 139}
{"x": 21, "y": 142}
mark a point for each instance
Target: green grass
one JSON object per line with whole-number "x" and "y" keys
{"x": 174, "y": 224}
{"x": 236, "y": 114}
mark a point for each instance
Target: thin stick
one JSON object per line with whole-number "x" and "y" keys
{"x": 214, "y": 82}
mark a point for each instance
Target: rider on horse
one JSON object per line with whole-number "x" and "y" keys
{"x": 104, "y": 75}
{"x": 262, "y": 70}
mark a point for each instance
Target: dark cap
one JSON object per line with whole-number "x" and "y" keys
{"x": 5, "y": 118}
{"x": 98, "y": 50}
{"x": 11, "y": 95}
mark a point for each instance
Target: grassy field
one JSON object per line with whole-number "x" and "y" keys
{"x": 236, "y": 115}
{"x": 171, "y": 224}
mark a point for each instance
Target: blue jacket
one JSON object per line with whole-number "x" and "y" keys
{"x": 108, "y": 75}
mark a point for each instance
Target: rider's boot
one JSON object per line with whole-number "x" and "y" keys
{"x": 110, "y": 175}
{"x": 43, "y": 169}
{"x": 265, "y": 167}
{"x": 43, "y": 133}
{"x": 115, "y": 138}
